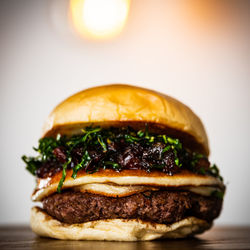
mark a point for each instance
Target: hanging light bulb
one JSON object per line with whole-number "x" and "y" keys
{"x": 99, "y": 19}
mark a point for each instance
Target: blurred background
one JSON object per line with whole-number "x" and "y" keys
{"x": 195, "y": 51}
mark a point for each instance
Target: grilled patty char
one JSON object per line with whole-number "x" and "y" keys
{"x": 164, "y": 207}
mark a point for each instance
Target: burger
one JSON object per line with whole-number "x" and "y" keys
{"x": 123, "y": 163}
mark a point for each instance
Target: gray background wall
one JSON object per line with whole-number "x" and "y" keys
{"x": 196, "y": 51}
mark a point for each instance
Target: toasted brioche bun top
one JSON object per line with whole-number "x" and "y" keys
{"x": 121, "y": 105}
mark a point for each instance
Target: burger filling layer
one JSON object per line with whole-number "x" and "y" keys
{"x": 165, "y": 207}
{"x": 115, "y": 148}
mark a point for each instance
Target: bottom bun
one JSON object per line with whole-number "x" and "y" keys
{"x": 114, "y": 229}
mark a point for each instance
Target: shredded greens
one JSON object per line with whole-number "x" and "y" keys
{"x": 102, "y": 140}
{"x": 85, "y": 160}
{"x": 59, "y": 187}
{"x": 218, "y": 194}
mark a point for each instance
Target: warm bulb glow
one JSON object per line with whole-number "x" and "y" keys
{"x": 99, "y": 19}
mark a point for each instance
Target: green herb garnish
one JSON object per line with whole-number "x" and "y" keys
{"x": 218, "y": 194}
{"x": 46, "y": 147}
{"x": 140, "y": 133}
{"x": 101, "y": 141}
{"x": 214, "y": 170}
{"x": 85, "y": 160}
{"x": 65, "y": 165}
{"x": 195, "y": 158}
{"x": 31, "y": 164}
{"x": 114, "y": 165}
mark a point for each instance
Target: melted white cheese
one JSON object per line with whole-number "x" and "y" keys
{"x": 115, "y": 190}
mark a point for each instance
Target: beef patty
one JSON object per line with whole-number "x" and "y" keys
{"x": 160, "y": 206}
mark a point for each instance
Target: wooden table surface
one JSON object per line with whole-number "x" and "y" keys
{"x": 21, "y": 237}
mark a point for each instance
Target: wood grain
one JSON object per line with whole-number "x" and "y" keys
{"x": 21, "y": 237}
